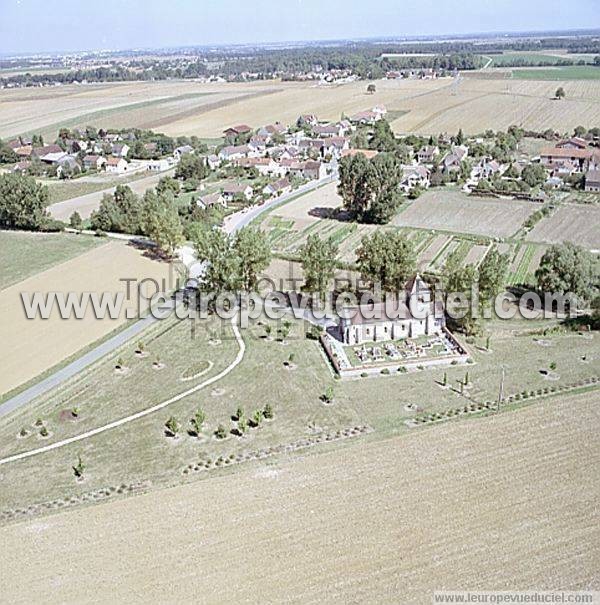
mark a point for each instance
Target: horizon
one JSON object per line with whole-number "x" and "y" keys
{"x": 142, "y": 26}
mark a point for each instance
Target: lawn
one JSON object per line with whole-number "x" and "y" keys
{"x": 25, "y": 254}
{"x": 570, "y": 72}
{"x": 139, "y": 451}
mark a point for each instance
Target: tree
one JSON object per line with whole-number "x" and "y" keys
{"x": 221, "y": 432}
{"x": 172, "y": 427}
{"x": 161, "y": 221}
{"x": 268, "y": 411}
{"x": 568, "y": 268}
{"x": 534, "y": 175}
{"x": 560, "y": 93}
{"x": 197, "y": 421}
{"x": 7, "y": 155}
{"x": 383, "y": 138}
{"x": 492, "y": 274}
{"x": 460, "y": 280}
{"x": 371, "y": 89}
{"x": 257, "y": 418}
{"x": 76, "y": 221}
{"x": 22, "y": 202}
{"x": 253, "y": 254}
{"x": 387, "y": 259}
{"x": 191, "y": 166}
{"x": 213, "y": 247}
{"x": 167, "y": 184}
{"x": 318, "y": 259}
{"x": 328, "y": 395}
{"x": 369, "y": 188}
{"x": 79, "y": 468}
{"x": 120, "y": 212}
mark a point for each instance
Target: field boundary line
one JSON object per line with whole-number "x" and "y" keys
{"x": 159, "y": 406}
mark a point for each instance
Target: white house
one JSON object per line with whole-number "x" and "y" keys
{"x": 427, "y": 154}
{"x": 116, "y": 165}
{"x": 94, "y": 162}
{"x": 158, "y": 165}
{"x": 231, "y": 190}
{"x": 277, "y": 188}
{"x": 181, "y": 151}
{"x": 213, "y": 199}
{"x": 413, "y": 314}
{"x": 120, "y": 150}
{"x": 414, "y": 176}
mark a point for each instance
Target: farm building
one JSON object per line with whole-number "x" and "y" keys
{"x": 414, "y": 315}
{"x": 592, "y": 180}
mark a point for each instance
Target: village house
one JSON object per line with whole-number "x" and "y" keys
{"x": 427, "y": 154}
{"x": 414, "y": 176}
{"x": 159, "y": 165}
{"x": 592, "y": 180}
{"x": 578, "y": 157}
{"x": 116, "y": 165}
{"x": 485, "y": 169}
{"x": 53, "y": 157}
{"x": 181, "y": 151}
{"x": 235, "y": 152}
{"x": 277, "y": 188}
{"x": 572, "y": 143}
{"x": 22, "y": 166}
{"x": 335, "y": 146}
{"x": 366, "y": 117}
{"x": 93, "y": 162}
{"x": 328, "y": 130}
{"x": 412, "y": 314}
{"x": 307, "y": 119}
{"x": 232, "y": 190}
{"x": 272, "y": 130}
{"x": 120, "y": 150}
{"x": 213, "y": 161}
{"x": 235, "y": 131}
{"x": 68, "y": 165}
{"x": 210, "y": 200}
{"x": 265, "y": 166}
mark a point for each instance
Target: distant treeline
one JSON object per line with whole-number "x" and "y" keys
{"x": 362, "y": 59}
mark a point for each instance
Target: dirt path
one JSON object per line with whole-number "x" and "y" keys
{"x": 146, "y": 412}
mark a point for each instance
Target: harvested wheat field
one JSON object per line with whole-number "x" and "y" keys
{"x": 454, "y": 507}
{"x": 29, "y": 347}
{"x": 452, "y": 210}
{"x": 305, "y": 210}
{"x": 575, "y": 223}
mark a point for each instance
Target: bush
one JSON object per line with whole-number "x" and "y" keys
{"x": 402, "y": 370}
{"x": 364, "y": 375}
{"x": 385, "y": 371}
{"x": 221, "y": 432}
{"x": 268, "y": 411}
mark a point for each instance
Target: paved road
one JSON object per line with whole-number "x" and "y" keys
{"x": 86, "y": 204}
{"x": 235, "y": 222}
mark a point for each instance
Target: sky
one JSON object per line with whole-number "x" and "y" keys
{"x": 31, "y": 26}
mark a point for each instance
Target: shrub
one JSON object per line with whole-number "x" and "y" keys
{"x": 364, "y": 375}
{"x": 172, "y": 427}
{"x": 197, "y": 421}
{"x": 44, "y": 431}
{"x": 402, "y": 370}
{"x": 239, "y": 413}
{"x": 385, "y": 371}
{"x": 268, "y": 411}
{"x": 553, "y": 366}
{"x": 221, "y": 432}
{"x": 79, "y": 468}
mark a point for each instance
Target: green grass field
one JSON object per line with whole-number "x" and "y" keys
{"x": 571, "y": 72}
{"x": 140, "y": 451}
{"x": 25, "y": 254}
{"x": 532, "y": 58}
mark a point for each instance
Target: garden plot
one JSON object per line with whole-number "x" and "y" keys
{"x": 452, "y": 210}
{"x": 577, "y": 223}
{"x": 475, "y": 255}
{"x": 428, "y": 257}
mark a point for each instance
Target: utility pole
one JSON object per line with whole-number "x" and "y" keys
{"x": 501, "y": 393}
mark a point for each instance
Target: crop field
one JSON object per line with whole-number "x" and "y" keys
{"x": 452, "y": 210}
{"x": 25, "y": 254}
{"x": 32, "y": 347}
{"x": 205, "y": 110}
{"x": 289, "y": 529}
{"x": 568, "y": 72}
{"x": 577, "y": 223}
{"x": 507, "y": 58}
{"x": 479, "y": 104}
